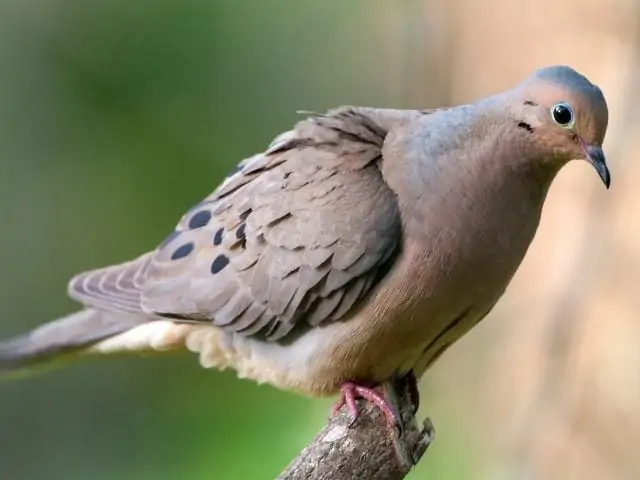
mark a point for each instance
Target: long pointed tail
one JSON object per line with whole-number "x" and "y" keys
{"x": 61, "y": 338}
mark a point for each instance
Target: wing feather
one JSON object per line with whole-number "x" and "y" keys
{"x": 297, "y": 235}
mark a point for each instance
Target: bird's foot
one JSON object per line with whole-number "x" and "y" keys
{"x": 350, "y": 391}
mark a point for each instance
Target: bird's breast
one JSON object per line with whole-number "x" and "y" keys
{"x": 446, "y": 278}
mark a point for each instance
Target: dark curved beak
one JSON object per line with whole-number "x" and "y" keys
{"x": 595, "y": 156}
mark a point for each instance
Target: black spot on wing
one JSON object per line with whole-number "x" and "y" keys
{"x": 200, "y": 219}
{"x": 219, "y": 263}
{"x": 182, "y": 251}
{"x": 241, "y": 232}
{"x": 217, "y": 238}
{"x": 244, "y": 215}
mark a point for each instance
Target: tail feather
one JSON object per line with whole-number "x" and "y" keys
{"x": 62, "y": 337}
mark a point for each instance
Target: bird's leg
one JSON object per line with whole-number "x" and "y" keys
{"x": 350, "y": 391}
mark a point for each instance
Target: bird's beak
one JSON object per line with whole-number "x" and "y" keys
{"x": 595, "y": 156}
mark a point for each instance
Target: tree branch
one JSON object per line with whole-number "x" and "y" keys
{"x": 369, "y": 448}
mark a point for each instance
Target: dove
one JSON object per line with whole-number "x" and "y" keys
{"x": 359, "y": 246}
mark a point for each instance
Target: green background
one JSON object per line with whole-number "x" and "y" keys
{"x": 115, "y": 117}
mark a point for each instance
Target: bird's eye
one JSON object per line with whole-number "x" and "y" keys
{"x": 562, "y": 114}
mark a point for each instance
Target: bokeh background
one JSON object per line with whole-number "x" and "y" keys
{"x": 116, "y": 116}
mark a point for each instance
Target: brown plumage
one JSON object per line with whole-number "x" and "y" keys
{"x": 359, "y": 245}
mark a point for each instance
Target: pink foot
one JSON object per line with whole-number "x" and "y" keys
{"x": 349, "y": 392}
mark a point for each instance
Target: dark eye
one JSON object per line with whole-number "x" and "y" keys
{"x": 562, "y": 114}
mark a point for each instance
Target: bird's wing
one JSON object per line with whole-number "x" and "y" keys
{"x": 297, "y": 235}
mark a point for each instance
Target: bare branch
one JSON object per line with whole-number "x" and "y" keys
{"x": 369, "y": 448}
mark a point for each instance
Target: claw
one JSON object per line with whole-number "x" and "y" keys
{"x": 349, "y": 392}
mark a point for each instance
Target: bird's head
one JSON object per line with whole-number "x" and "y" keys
{"x": 565, "y": 116}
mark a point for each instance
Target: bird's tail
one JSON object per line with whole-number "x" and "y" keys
{"x": 62, "y": 338}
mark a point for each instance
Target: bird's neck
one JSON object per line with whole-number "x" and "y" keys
{"x": 467, "y": 164}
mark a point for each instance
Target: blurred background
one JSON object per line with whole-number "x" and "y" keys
{"x": 116, "y": 116}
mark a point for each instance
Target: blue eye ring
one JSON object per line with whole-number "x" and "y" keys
{"x": 563, "y": 115}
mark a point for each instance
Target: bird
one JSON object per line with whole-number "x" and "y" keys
{"x": 357, "y": 247}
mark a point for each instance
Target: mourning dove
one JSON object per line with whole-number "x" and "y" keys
{"x": 359, "y": 246}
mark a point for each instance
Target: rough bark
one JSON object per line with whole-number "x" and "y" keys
{"x": 368, "y": 449}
